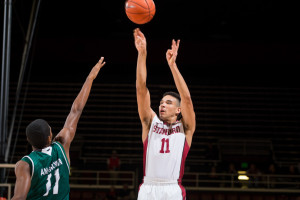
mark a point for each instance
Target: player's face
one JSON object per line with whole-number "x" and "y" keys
{"x": 168, "y": 107}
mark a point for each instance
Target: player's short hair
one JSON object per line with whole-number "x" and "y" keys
{"x": 37, "y": 133}
{"x": 173, "y": 94}
{"x": 177, "y": 96}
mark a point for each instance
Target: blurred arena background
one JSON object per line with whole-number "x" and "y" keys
{"x": 240, "y": 60}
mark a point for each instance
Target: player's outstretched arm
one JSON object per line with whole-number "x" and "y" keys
{"x": 66, "y": 135}
{"x": 23, "y": 180}
{"x": 187, "y": 108}
{"x": 143, "y": 96}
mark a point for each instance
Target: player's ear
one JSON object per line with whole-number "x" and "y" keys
{"x": 50, "y": 138}
{"x": 178, "y": 110}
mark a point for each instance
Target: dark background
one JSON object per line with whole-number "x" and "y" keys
{"x": 223, "y": 42}
{"x": 253, "y": 41}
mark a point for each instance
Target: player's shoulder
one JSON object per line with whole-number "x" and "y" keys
{"x": 22, "y": 165}
{"x": 155, "y": 118}
{"x": 21, "y": 162}
{"x": 56, "y": 144}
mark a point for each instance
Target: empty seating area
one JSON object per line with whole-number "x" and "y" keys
{"x": 235, "y": 124}
{"x": 235, "y": 114}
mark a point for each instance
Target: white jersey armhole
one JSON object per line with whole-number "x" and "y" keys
{"x": 32, "y": 170}
{"x": 63, "y": 155}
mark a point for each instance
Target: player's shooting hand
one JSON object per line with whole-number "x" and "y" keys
{"x": 139, "y": 40}
{"x": 94, "y": 72}
{"x": 171, "y": 54}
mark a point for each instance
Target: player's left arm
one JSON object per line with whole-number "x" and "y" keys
{"x": 66, "y": 135}
{"x": 23, "y": 180}
{"x": 187, "y": 108}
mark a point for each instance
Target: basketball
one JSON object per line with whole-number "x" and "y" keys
{"x": 140, "y": 11}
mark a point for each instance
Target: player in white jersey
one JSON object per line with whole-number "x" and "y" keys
{"x": 167, "y": 137}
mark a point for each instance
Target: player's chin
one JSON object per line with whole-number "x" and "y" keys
{"x": 162, "y": 116}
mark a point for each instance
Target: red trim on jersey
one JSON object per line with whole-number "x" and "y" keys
{"x": 185, "y": 152}
{"x": 144, "y": 159}
{"x": 145, "y": 155}
{"x": 166, "y": 123}
{"x": 183, "y": 191}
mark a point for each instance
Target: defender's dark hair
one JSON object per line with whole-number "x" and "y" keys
{"x": 177, "y": 96}
{"x": 37, "y": 133}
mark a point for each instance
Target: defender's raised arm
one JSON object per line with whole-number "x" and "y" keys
{"x": 66, "y": 135}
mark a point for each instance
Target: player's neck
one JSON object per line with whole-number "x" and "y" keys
{"x": 171, "y": 120}
{"x": 37, "y": 149}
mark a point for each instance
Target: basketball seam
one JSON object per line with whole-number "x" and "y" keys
{"x": 140, "y": 19}
{"x": 148, "y": 9}
{"x": 139, "y": 12}
{"x": 144, "y": 18}
{"x": 138, "y": 4}
{"x": 136, "y": 13}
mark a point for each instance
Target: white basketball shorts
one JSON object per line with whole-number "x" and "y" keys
{"x": 161, "y": 190}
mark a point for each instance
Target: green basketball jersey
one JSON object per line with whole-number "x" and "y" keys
{"x": 49, "y": 173}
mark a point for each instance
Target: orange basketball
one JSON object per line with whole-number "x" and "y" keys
{"x": 140, "y": 11}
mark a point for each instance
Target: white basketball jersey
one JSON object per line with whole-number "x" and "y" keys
{"x": 165, "y": 151}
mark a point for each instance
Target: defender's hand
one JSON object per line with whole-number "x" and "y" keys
{"x": 94, "y": 72}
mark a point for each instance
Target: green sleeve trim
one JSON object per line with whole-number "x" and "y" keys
{"x": 64, "y": 153}
{"x": 30, "y": 162}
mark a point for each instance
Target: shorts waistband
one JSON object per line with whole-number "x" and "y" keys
{"x": 159, "y": 181}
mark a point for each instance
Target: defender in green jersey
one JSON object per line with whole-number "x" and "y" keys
{"x": 44, "y": 173}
